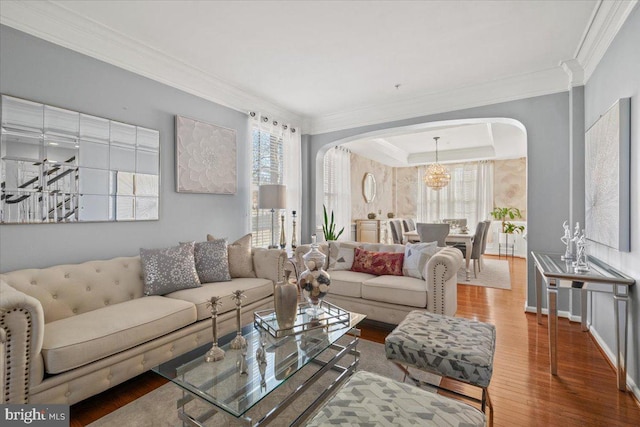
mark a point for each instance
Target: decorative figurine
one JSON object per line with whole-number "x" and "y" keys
{"x": 294, "y": 242}
{"x": 238, "y": 341}
{"x": 581, "y": 264}
{"x": 283, "y": 240}
{"x": 242, "y": 361}
{"x": 261, "y": 353}
{"x": 569, "y": 241}
{"x": 216, "y": 353}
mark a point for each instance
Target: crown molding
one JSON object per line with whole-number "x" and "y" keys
{"x": 605, "y": 23}
{"x": 529, "y": 85}
{"x": 55, "y": 23}
{"x": 575, "y": 72}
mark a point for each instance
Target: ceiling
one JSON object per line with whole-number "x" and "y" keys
{"x": 330, "y": 65}
{"x": 458, "y": 141}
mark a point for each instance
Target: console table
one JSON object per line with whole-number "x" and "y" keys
{"x": 556, "y": 273}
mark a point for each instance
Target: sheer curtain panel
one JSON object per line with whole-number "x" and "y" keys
{"x": 276, "y": 159}
{"x": 337, "y": 188}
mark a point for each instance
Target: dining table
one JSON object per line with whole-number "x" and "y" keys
{"x": 455, "y": 236}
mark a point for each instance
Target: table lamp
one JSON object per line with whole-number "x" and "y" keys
{"x": 272, "y": 196}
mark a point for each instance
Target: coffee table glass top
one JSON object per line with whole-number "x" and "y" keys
{"x": 221, "y": 383}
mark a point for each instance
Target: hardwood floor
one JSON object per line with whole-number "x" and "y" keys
{"x": 522, "y": 390}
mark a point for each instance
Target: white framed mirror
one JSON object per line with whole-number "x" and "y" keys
{"x": 369, "y": 187}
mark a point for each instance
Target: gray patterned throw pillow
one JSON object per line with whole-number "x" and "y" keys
{"x": 212, "y": 261}
{"x": 168, "y": 270}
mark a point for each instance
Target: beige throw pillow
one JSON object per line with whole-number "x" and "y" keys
{"x": 240, "y": 258}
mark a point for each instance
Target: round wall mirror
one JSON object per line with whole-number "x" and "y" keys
{"x": 369, "y": 187}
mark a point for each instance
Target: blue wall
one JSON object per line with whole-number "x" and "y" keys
{"x": 40, "y": 71}
{"x": 618, "y": 76}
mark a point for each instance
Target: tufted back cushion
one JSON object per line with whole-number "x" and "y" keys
{"x": 67, "y": 290}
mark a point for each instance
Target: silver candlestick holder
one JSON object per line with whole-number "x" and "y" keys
{"x": 238, "y": 341}
{"x": 216, "y": 353}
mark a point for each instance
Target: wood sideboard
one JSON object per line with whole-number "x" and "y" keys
{"x": 372, "y": 230}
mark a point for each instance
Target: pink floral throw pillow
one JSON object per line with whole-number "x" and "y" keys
{"x": 378, "y": 263}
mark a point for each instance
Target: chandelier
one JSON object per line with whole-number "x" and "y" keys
{"x": 437, "y": 176}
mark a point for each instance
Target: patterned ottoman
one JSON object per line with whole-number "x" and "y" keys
{"x": 453, "y": 347}
{"x": 372, "y": 400}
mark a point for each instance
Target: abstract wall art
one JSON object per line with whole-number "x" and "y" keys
{"x": 206, "y": 158}
{"x": 607, "y": 185}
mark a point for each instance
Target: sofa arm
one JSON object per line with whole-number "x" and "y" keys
{"x": 441, "y": 274}
{"x": 22, "y": 319}
{"x": 269, "y": 263}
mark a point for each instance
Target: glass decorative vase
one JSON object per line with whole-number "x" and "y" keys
{"x": 314, "y": 281}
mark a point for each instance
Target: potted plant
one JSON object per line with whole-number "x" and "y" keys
{"x": 329, "y": 227}
{"x": 502, "y": 214}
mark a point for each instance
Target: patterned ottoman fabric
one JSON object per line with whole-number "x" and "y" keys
{"x": 450, "y": 346}
{"x": 374, "y": 401}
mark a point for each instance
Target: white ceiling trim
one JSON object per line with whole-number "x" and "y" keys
{"x": 605, "y": 24}
{"x": 57, "y": 24}
{"x": 518, "y": 87}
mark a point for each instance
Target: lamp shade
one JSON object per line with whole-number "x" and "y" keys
{"x": 272, "y": 196}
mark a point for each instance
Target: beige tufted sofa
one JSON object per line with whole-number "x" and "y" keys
{"x": 389, "y": 299}
{"x": 71, "y": 331}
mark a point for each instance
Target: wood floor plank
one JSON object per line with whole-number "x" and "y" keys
{"x": 523, "y": 391}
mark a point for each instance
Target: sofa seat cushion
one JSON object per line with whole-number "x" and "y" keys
{"x": 401, "y": 290}
{"x": 78, "y": 340}
{"x": 348, "y": 283}
{"x": 254, "y": 289}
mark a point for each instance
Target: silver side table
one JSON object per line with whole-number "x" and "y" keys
{"x": 557, "y": 274}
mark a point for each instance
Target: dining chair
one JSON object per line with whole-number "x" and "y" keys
{"x": 476, "y": 248}
{"x": 433, "y": 232}
{"x": 485, "y": 235}
{"x": 396, "y": 230}
{"x": 408, "y": 224}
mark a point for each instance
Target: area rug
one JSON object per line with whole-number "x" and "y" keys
{"x": 494, "y": 274}
{"x": 158, "y": 408}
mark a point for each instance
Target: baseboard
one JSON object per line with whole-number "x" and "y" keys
{"x": 563, "y": 314}
{"x": 604, "y": 349}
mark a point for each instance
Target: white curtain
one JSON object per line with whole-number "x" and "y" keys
{"x": 337, "y": 188}
{"x": 293, "y": 181}
{"x": 469, "y": 194}
{"x": 276, "y": 159}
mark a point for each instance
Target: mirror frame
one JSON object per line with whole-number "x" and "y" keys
{"x": 369, "y": 187}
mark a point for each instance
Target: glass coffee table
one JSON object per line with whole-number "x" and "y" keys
{"x": 232, "y": 392}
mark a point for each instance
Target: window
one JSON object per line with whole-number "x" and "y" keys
{"x": 267, "y": 168}
{"x": 468, "y": 195}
